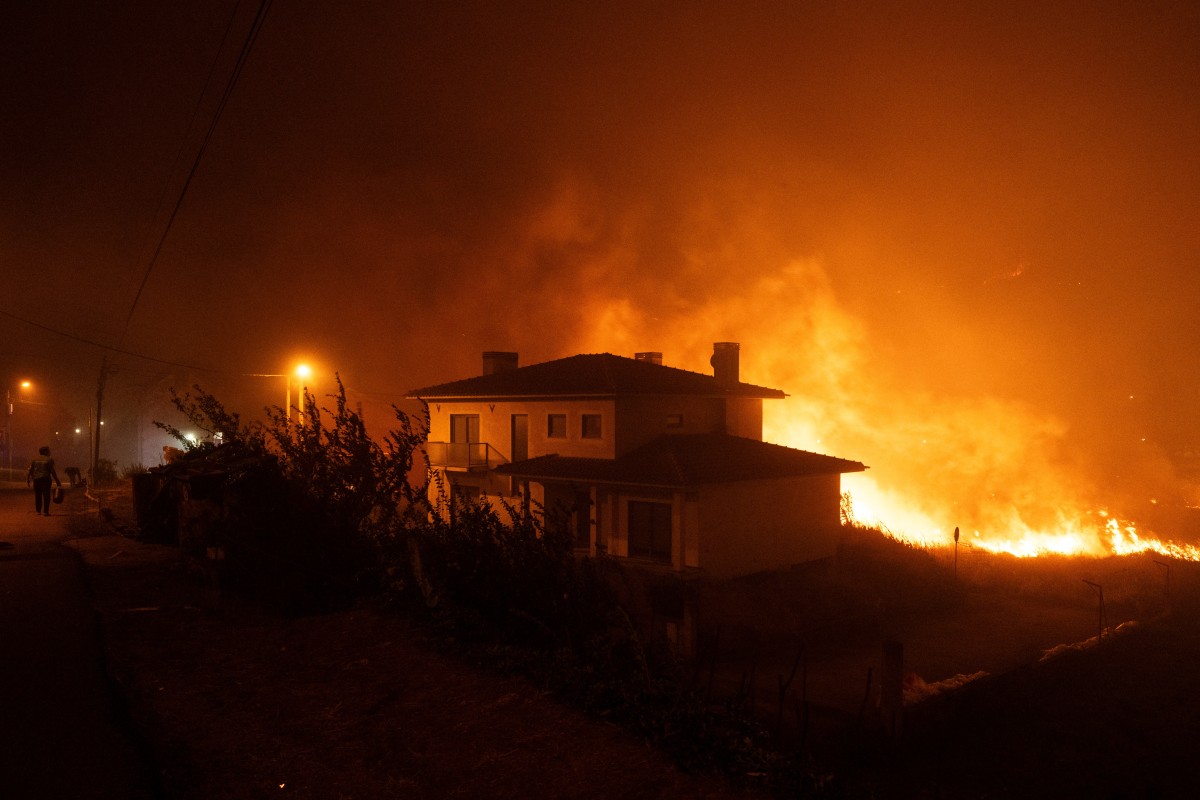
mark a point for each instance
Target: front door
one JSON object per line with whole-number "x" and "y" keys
{"x": 520, "y": 437}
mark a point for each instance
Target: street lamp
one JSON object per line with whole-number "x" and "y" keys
{"x": 302, "y": 372}
{"x": 8, "y": 440}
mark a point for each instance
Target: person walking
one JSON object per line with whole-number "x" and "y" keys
{"x": 41, "y": 472}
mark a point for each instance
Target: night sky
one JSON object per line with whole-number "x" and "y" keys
{"x": 942, "y": 227}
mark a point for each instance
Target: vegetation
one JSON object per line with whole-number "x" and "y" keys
{"x": 317, "y": 516}
{"x": 106, "y": 472}
{"x": 133, "y": 469}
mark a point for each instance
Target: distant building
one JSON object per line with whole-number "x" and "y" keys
{"x": 661, "y": 466}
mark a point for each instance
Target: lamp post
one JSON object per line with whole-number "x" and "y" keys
{"x": 8, "y": 409}
{"x": 8, "y": 440}
{"x": 302, "y": 371}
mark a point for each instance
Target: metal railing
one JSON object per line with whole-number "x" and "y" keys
{"x": 463, "y": 455}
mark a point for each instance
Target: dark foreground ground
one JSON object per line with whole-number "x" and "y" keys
{"x": 236, "y": 703}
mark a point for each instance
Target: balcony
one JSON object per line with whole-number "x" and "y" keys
{"x": 469, "y": 456}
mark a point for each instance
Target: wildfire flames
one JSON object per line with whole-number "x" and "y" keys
{"x": 1004, "y": 473}
{"x": 1101, "y": 535}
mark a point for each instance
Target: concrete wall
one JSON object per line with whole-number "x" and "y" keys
{"x": 495, "y": 421}
{"x": 753, "y": 526}
{"x": 641, "y": 419}
{"x": 726, "y": 530}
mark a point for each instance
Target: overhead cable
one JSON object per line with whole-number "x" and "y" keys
{"x": 251, "y": 36}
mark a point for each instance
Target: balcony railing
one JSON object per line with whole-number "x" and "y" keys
{"x": 463, "y": 455}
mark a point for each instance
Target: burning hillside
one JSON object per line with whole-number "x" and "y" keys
{"x": 1013, "y": 478}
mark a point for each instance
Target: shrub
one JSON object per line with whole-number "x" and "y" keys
{"x": 105, "y": 472}
{"x": 313, "y": 516}
{"x": 133, "y": 469}
{"x": 301, "y": 509}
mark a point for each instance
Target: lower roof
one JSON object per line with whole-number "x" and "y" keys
{"x": 685, "y": 460}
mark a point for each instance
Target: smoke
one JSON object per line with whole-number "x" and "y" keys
{"x": 960, "y": 240}
{"x": 1001, "y": 470}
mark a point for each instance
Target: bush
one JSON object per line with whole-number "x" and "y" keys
{"x": 105, "y": 472}
{"x": 300, "y": 511}
{"x": 318, "y": 515}
{"x": 133, "y": 469}
{"x": 516, "y": 581}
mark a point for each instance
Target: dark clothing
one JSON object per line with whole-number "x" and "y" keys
{"x": 42, "y": 467}
{"x": 41, "y": 472}
{"x": 41, "y": 495}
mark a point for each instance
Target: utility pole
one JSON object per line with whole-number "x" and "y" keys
{"x": 105, "y": 369}
{"x": 8, "y": 409}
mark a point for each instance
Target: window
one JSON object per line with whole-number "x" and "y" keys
{"x": 650, "y": 530}
{"x": 556, "y": 426}
{"x": 464, "y": 494}
{"x": 464, "y": 450}
{"x": 591, "y": 426}
{"x": 674, "y": 420}
{"x": 464, "y": 428}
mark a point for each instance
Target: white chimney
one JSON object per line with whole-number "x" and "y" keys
{"x": 725, "y": 364}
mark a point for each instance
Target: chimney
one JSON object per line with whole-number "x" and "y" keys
{"x": 725, "y": 364}
{"x": 653, "y": 358}
{"x": 495, "y": 361}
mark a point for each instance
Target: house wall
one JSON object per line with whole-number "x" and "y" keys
{"x": 641, "y": 419}
{"x": 760, "y": 525}
{"x": 626, "y": 424}
{"x": 614, "y": 523}
{"x": 724, "y": 530}
{"x": 495, "y": 421}
{"x": 744, "y": 417}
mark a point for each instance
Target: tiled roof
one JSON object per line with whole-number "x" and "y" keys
{"x": 683, "y": 460}
{"x": 592, "y": 375}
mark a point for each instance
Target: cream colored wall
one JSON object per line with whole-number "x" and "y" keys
{"x": 641, "y": 419}
{"x": 732, "y": 529}
{"x": 744, "y": 417}
{"x": 495, "y": 420}
{"x": 753, "y": 526}
{"x": 625, "y": 424}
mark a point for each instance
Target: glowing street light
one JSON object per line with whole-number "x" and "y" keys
{"x": 302, "y": 372}
{"x": 8, "y": 440}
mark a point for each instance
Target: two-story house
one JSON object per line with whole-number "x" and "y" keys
{"x": 659, "y": 465}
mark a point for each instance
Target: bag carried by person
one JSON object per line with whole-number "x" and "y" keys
{"x": 58, "y": 494}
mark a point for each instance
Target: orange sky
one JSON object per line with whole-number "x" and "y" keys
{"x": 984, "y": 212}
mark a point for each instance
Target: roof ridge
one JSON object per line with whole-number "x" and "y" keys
{"x": 603, "y": 373}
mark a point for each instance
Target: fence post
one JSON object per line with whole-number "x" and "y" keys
{"x": 891, "y": 686}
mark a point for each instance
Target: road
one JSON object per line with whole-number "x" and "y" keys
{"x": 61, "y": 731}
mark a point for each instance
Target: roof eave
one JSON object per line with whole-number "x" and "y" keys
{"x": 591, "y": 395}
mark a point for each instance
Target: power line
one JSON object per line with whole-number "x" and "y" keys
{"x": 251, "y": 37}
{"x": 373, "y": 392}
{"x": 187, "y": 135}
{"x": 131, "y": 353}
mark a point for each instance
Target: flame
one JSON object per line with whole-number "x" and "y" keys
{"x": 998, "y": 469}
{"x": 1098, "y": 536}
